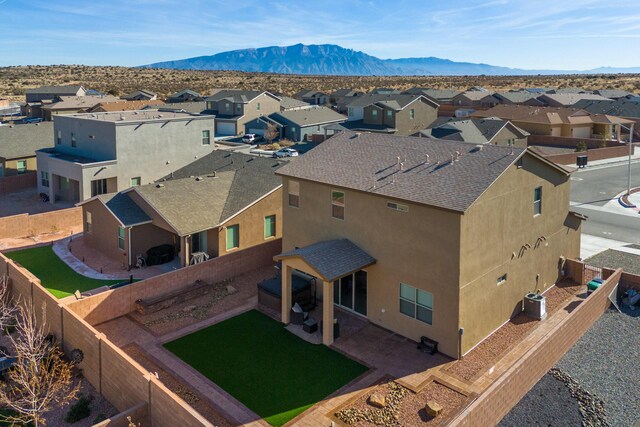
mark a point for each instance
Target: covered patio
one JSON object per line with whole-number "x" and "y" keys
{"x": 339, "y": 265}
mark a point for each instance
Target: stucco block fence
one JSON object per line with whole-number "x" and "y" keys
{"x": 492, "y": 405}
{"x": 122, "y": 381}
{"x": 25, "y": 225}
{"x": 11, "y": 184}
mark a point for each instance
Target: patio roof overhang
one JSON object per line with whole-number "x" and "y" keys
{"x": 332, "y": 259}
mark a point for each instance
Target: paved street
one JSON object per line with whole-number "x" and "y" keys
{"x": 591, "y": 191}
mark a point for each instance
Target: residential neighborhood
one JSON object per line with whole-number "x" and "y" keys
{"x": 317, "y": 235}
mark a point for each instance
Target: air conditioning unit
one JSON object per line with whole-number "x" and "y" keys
{"x": 535, "y": 305}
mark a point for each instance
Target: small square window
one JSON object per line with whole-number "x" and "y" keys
{"x": 374, "y": 114}
{"x": 416, "y": 303}
{"x": 389, "y": 114}
{"x": 135, "y": 181}
{"x": 21, "y": 166}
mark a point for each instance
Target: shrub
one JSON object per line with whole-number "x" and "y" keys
{"x": 581, "y": 146}
{"x": 99, "y": 418}
{"x": 78, "y": 410}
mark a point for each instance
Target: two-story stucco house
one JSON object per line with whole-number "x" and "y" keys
{"x": 425, "y": 238}
{"x": 100, "y": 153}
{"x": 394, "y": 114}
{"x": 235, "y": 108}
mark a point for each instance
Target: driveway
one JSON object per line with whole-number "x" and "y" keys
{"x": 27, "y": 201}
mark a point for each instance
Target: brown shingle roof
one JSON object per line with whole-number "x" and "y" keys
{"x": 125, "y": 105}
{"x": 369, "y": 162}
{"x": 545, "y": 115}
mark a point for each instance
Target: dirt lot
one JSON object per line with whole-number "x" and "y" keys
{"x": 121, "y": 80}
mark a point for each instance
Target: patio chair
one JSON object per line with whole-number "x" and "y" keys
{"x": 298, "y": 315}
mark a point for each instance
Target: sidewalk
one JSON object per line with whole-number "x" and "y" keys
{"x": 614, "y": 161}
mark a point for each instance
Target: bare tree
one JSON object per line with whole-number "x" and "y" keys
{"x": 271, "y": 133}
{"x": 8, "y": 309}
{"x": 39, "y": 377}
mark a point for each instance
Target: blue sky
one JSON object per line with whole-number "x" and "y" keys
{"x": 533, "y": 34}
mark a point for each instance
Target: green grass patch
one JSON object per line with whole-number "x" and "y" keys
{"x": 56, "y": 276}
{"x": 271, "y": 371}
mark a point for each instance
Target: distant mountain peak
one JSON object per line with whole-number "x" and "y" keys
{"x": 331, "y": 59}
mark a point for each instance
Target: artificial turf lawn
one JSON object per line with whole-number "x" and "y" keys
{"x": 271, "y": 371}
{"x": 59, "y": 279}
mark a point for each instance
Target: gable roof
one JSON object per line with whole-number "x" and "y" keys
{"x": 621, "y": 107}
{"x": 394, "y": 101}
{"x": 124, "y": 209}
{"x": 124, "y": 105}
{"x": 308, "y": 93}
{"x": 368, "y": 162}
{"x": 70, "y": 90}
{"x": 545, "y": 115}
{"x": 146, "y": 93}
{"x": 471, "y": 130}
{"x": 332, "y": 259}
{"x": 519, "y": 97}
{"x": 288, "y": 103}
{"x": 612, "y": 93}
{"x": 79, "y": 102}
{"x": 194, "y": 107}
{"x": 568, "y": 99}
{"x": 237, "y": 95}
{"x": 310, "y": 116}
{"x": 344, "y": 92}
{"x": 437, "y": 94}
{"x": 19, "y": 141}
{"x": 183, "y": 92}
{"x": 475, "y": 95}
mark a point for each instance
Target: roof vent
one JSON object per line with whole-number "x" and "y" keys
{"x": 159, "y": 185}
{"x": 426, "y": 158}
{"x": 199, "y": 178}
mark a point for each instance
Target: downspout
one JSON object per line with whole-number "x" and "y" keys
{"x": 129, "y": 228}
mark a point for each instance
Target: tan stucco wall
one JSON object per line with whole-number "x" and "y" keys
{"x": 10, "y": 166}
{"x": 425, "y": 114}
{"x": 419, "y": 248}
{"x": 146, "y": 236}
{"x": 500, "y": 224}
{"x": 268, "y": 105}
{"x": 251, "y": 223}
{"x": 104, "y": 234}
{"x": 505, "y": 135}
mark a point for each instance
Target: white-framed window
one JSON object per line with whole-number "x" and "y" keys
{"x": 416, "y": 303}
{"x": 412, "y": 114}
{"x": 206, "y": 137}
{"x": 238, "y": 108}
{"x": 269, "y": 226}
{"x": 59, "y": 137}
{"x": 389, "y": 114}
{"x": 294, "y": 194}
{"x": 537, "y": 201}
{"x": 21, "y": 166}
{"x": 89, "y": 222}
{"x": 209, "y": 105}
{"x": 44, "y": 178}
{"x": 135, "y": 181}
{"x": 227, "y": 107}
{"x": 73, "y": 139}
{"x": 398, "y": 207}
{"x": 350, "y": 111}
{"x": 337, "y": 204}
{"x": 257, "y": 106}
{"x": 502, "y": 279}
{"x": 374, "y": 114}
{"x": 121, "y": 238}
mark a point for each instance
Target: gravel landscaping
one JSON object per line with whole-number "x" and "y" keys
{"x": 611, "y": 258}
{"x": 602, "y": 366}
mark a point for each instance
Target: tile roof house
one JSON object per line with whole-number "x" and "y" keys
{"x": 186, "y": 95}
{"x": 390, "y": 227}
{"x": 98, "y": 153}
{"x": 18, "y": 146}
{"x": 567, "y": 99}
{"x": 226, "y": 208}
{"x": 475, "y": 98}
{"x": 235, "y": 108}
{"x": 565, "y": 122}
{"x": 140, "y": 95}
{"x": 480, "y": 131}
{"x": 394, "y": 114}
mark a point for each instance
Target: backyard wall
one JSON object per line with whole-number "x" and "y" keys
{"x": 117, "y": 377}
{"x": 563, "y": 141}
{"x": 10, "y": 184}
{"x": 492, "y": 405}
{"x": 24, "y": 225}
{"x": 592, "y": 154}
{"x": 120, "y": 301}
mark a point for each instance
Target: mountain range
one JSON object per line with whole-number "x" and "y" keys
{"x": 328, "y": 59}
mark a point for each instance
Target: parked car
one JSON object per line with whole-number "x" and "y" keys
{"x": 286, "y": 152}
{"x": 251, "y": 138}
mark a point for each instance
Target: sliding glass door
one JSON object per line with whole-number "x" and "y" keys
{"x": 350, "y": 292}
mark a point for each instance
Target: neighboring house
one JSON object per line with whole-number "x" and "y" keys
{"x": 186, "y": 107}
{"x": 568, "y": 99}
{"x": 186, "y": 95}
{"x": 394, "y": 114}
{"x": 441, "y": 96}
{"x": 121, "y": 105}
{"x": 18, "y": 146}
{"x": 338, "y": 96}
{"x": 439, "y": 239}
{"x": 45, "y": 93}
{"x": 518, "y": 97}
{"x": 235, "y": 108}
{"x": 287, "y": 103}
{"x": 477, "y": 89}
{"x": 537, "y": 90}
{"x": 100, "y": 153}
{"x": 566, "y": 122}
{"x": 479, "y": 131}
{"x": 623, "y": 107}
{"x": 384, "y": 91}
{"x": 570, "y": 90}
{"x": 141, "y": 95}
{"x": 612, "y": 93}
{"x": 234, "y": 203}
{"x": 64, "y": 105}
{"x": 313, "y": 97}
{"x": 475, "y": 98}
{"x": 300, "y": 125}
